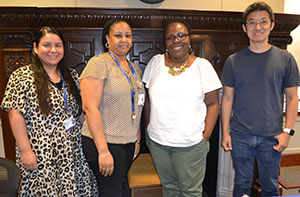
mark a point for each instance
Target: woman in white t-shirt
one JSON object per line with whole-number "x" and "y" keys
{"x": 183, "y": 103}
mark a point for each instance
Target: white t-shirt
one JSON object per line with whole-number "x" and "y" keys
{"x": 177, "y": 103}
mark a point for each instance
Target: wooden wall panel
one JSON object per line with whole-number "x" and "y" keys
{"x": 81, "y": 45}
{"x": 12, "y": 59}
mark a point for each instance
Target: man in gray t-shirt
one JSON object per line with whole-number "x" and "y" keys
{"x": 255, "y": 80}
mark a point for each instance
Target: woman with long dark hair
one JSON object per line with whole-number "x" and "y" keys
{"x": 44, "y": 107}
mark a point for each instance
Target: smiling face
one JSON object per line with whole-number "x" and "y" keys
{"x": 179, "y": 42}
{"x": 50, "y": 50}
{"x": 119, "y": 39}
{"x": 258, "y": 27}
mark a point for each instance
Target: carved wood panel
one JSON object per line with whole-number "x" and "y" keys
{"x": 11, "y": 59}
{"x": 146, "y": 44}
{"x": 14, "y": 58}
{"x": 81, "y": 45}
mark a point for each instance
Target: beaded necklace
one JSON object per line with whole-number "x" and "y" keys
{"x": 177, "y": 70}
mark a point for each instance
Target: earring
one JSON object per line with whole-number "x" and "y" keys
{"x": 107, "y": 45}
{"x": 167, "y": 52}
{"x": 191, "y": 49}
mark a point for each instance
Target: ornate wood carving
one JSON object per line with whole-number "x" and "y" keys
{"x": 96, "y": 17}
{"x": 280, "y": 41}
{"x": 15, "y": 36}
{"x": 15, "y": 59}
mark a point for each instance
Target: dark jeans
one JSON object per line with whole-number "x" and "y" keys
{"x": 245, "y": 148}
{"x": 115, "y": 185}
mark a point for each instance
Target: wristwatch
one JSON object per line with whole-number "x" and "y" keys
{"x": 289, "y": 131}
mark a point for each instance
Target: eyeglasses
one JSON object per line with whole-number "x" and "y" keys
{"x": 263, "y": 22}
{"x": 179, "y": 36}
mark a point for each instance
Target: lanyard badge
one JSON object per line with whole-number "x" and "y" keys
{"x": 132, "y": 92}
{"x": 70, "y": 122}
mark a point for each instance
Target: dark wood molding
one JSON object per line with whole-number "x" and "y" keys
{"x": 151, "y": 18}
{"x": 291, "y": 159}
{"x": 213, "y": 21}
{"x": 14, "y": 58}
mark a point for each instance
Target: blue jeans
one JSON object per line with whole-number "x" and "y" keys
{"x": 245, "y": 147}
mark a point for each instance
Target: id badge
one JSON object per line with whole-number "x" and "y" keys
{"x": 141, "y": 100}
{"x": 69, "y": 123}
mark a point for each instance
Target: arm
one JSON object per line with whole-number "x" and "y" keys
{"x": 212, "y": 103}
{"x": 18, "y": 127}
{"x": 137, "y": 144}
{"x": 226, "y": 109}
{"x": 290, "y": 117}
{"x": 91, "y": 92}
{"x": 146, "y": 113}
{"x": 146, "y": 109}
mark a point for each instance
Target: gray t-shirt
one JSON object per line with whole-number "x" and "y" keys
{"x": 116, "y": 105}
{"x": 259, "y": 80}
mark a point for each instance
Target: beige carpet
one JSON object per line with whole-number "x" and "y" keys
{"x": 290, "y": 175}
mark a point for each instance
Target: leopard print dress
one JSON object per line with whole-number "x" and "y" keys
{"x": 62, "y": 167}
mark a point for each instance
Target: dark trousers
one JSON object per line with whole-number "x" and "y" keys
{"x": 115, "y": 185}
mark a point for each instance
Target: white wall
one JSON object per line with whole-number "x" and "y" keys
{"x": 292, "y": 7}
{"x": 218, "y": 5}
{"x": 294, "y": 145}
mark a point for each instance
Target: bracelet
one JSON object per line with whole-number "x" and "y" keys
{"x": 139, "y": 142}
{"x": 104, "y": 155}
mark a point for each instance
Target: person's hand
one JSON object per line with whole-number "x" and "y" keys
{"x": 137, "y": 149}
{"x": 226, "y": 142}
{"x": 106, "y": 164}
{"x": 283, "y": 141}
{"x": 29, "y": 160}
{"x": 205, "y": 137}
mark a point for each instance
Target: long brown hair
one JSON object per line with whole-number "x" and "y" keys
{"x": 41, "y": 79}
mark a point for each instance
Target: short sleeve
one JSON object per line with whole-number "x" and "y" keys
{"x": 209, "y": 77}
{"x": 95, "y": 68}
{"x": 291, "y": 77}
{"x": 150, "y": 68}
{"x": 227, "y": 73}
{"x": 15, "y": 92}
{"x": 75, "y": 77}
